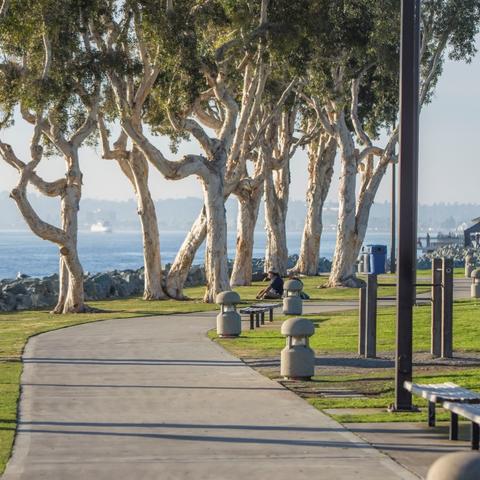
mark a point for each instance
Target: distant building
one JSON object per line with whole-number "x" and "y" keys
{"x": 472, "y": 234}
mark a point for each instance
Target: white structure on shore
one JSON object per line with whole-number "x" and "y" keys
{"x": 101, "y": 227}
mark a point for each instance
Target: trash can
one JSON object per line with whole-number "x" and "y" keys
{"x": 378, "y": 258}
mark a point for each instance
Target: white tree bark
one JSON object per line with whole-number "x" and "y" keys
{"x": 249, "y": 194}
{"x": 153, "y": 289}
{"x": 216, "y": 261}
{"x": 277, "y": 185}
{"x": 178, "y": 273}
{"x": 343, "y": 268}
{"x": 321, "y": 157}
{"x": 135, "y": 167}
{"x": 74, "y": 301}
{"x": 71, "y": 295}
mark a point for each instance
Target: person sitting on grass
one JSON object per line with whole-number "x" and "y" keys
{"x": 274, "y": 289}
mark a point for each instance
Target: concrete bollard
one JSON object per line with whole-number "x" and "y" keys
{"x": 297, "y": 359}
{"x": 469, "y": 265}
{"x": 360, "y": 265}
{"x": 456, "y": 466}
{"x": 366, "y": 262}
{"x": 292, "y": 302}
{"x": 229, "y": 322}
{"x": 475, "y": 288}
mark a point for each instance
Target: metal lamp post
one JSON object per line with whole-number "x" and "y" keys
{"x": 393, "y": 221}
{"x": 408, "y": 198}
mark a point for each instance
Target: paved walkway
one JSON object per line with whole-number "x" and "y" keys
{"x": 153, "y": 398}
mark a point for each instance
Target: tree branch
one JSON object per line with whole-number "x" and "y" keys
{"x": 171, "y": 170}
{"x": 4, "y": 7}
{"x": 437, "y": 56}
{"x": 120, "y": 146}
{"x": 364, "y": 139}
{"x": 273, "y": 113}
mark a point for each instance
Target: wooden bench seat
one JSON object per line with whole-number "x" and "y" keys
{"x": 470, "y": 412}
{"x": 441, "y": 392}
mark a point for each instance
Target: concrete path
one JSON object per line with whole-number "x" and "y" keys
{"x": 153, "y": 398}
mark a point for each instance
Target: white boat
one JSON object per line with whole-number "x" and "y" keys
{"x": 101, "y": 227}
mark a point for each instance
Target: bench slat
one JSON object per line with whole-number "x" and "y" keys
{"x": 466, "y": 410}
{"x": 437, "y": 392}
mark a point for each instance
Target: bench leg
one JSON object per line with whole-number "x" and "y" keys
{"x": 453, "y": 426}
{"x": 262, "y": 316}
{"x": 257, "y": 320}
{"x": 270, "y": 314}
{"x": 475, "y": 436}
{"x": 431, "y": 414}
{"x": 252, "y": 325}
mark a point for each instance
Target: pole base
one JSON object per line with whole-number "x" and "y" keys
{"x": 298, "y": 379}
{"x": 392, "y": 409}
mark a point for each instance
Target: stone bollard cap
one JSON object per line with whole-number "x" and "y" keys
{"x": 227, "y": 298}
{"x": 475, "y": 273}
{"x": 297, "y": 327}
{"x": 293, "y": 285}
{"x": 456, "y": 466}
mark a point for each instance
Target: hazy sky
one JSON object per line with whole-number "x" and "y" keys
{"x": 449, "y": 153}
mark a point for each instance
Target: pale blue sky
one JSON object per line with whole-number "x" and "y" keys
{"x": 449, "y": 152}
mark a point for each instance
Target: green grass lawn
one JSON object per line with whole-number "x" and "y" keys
{"x": 336, "y": 333}
{"x": 378, "y": 389}
{"x": 315, "y": 288}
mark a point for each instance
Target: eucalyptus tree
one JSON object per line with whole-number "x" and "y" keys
{"x": 353, "y": 85}
{"x": 276, "y": 51}
{"x": 184, "y": 58}
{"x": 249, "y": 193}
{"x": 321, "y": 151}
{"x": 271, "y": 145}
{"x": 342, "y": 54}
{"x": 51, "y": 77}
{"x": 134, "y": 166}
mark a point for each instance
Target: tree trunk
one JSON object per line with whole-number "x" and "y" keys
{"x": 276, "y": 205}
{"x": 62, "y": 285}
{"x": 321, "y": 158}
{"x": 216, "y": 261}
{"x": 148, "y": 219}
{"x": 70, "y": 205}
{"x": 178, "y": 273}
{"x": 343, "y": 269}
{"x": 248, "y": 206}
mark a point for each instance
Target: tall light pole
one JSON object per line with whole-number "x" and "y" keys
{"x": 408, "y": 198}
{"x": 393, "y": 222}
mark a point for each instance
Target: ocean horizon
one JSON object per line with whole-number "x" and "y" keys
{"x": 23, "y": 252}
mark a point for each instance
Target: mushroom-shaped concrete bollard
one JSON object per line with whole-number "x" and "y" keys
{"x": 229, "y": 322}
{"x": 475, "y": 288}
{"x": 292, "y": 302}
{"x": 469, "y": 265}
{"x": 456, "y": 466}
{"x": 297, "y": 360}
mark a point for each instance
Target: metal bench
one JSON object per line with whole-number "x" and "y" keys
{"x": 257, "y": 313}
{"x": 468, "y": 411}
{"x": 439, "y": 393}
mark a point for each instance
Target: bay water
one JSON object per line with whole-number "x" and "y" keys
{"x": 23, "y": 252}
